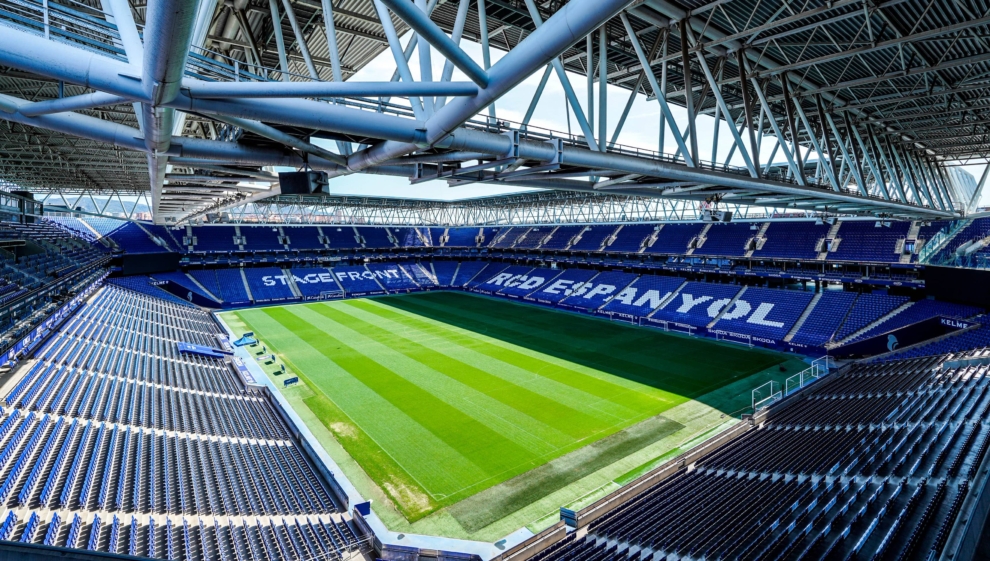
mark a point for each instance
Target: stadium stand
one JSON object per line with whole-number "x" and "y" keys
{"x": 697, "y": 303}
{"x": 851, "y": 487}
{"x": 213, "y": 239}
{"x": 462, "y": 237}
{"x": 863, "y": 241}
{"x": 375, "y": 238}
{"x": 357, "y": 280}
{"x": 727, "y": 240}
{"x": 231, "y": 285}
{"x": 113, "y": 440}
{"x": 599, "y": 290}
{"x": 674, "y": 238}
{"x": 262, "y": 238}
{"x": 643, "y": 296}
{"x": 445, "y": 271}
{"x": 630, "y": 238}
{"x": 563, "y": 285}
{"x": 793, "y": 240}
{"x": 562, "y": 237}
{"x": 918, "y": 311}
{"x": 268, "y": 284}
{"x": 867, "y": 309}
{"x": 773, "y": 316}
{"x": 489, "y": 271}
{"x": 313, "y": 282}
{"x": 593, "y": 237}
{"x": 182, "y": 280}
{"x": 392, "y": 277}
{"x": 421, "y": 274}
{"x": 467, "y": 271}
{"x": 166, "y": 448}
{"x": 341, "y": 237}
{"x": 529, "y": 282}
{"x": 303, "y": 237}
{"x": 826, "y": 317}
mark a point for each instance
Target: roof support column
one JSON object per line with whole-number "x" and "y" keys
{"x": 688, "y": 89}
{"x": 748, "y": 108}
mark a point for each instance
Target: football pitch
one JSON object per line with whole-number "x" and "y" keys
{"x": 447, "y": 399}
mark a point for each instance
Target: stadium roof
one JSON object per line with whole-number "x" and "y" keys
{"x": 187, "y": 100}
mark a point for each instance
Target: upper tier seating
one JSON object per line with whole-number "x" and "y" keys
{"x": 630, "y": 238}
{"x": 593, "y": 237}
{"x": 534, "y": 237}
{"x": 376, "y": 238}
{"x": 214, "y": 238}
{"x": 643, "y": 296}
{"x": 262, "y": 238}
{"x": 795, "y": 240}
{"x": 562, "y": 237}
{"x": 409, "y": 237}
{"x": 698, "y": 303}
{"x": 462, "y": 237}
{"x": 674, "y": 238}
{"x": 303, "y": 237}
{"x": 862, "y": 241}
{"x": 727, "y": 240}
{"x": 341, "y": 237}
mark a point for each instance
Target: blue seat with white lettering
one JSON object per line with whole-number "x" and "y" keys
{"x": 509, "y": 276}
{"x": 357, "y": 279}
{"x": 314, "y": 281}
{"x": 268, "y": 284}
{"x": 765, "y": 312}
{"x": 643, "y": 296}
{"x": 698, "y": 303}
{"x": 562, "y": 286}
{"x": 530, "y": 282}
{"x": 391, "y": 276}
{"x": 489, "y": 271}
{"x": 599, "y": 290}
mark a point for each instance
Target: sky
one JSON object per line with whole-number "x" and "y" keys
{"x": 641, "y": 130}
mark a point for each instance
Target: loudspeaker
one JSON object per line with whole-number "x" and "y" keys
{"x": 302, "y": 182}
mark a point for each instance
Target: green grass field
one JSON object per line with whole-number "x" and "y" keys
{"x": 448, "y": 399}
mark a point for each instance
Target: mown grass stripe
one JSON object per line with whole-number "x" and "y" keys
{"x": 488, "y": 450}
{"x": 390, "y": 429}
{"x": 671, "y": 365}
{"x": 514, "y": 364}
{"x": 575, "y": 423}
{"x": 637, "y": 400}
{"x": 536, "y": 437}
